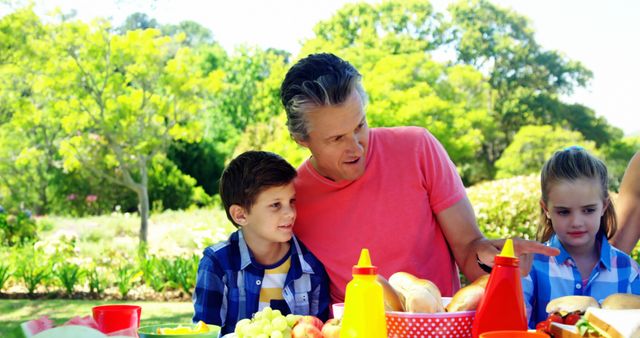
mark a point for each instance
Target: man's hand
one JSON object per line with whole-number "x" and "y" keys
{"x": 524, "y": 249}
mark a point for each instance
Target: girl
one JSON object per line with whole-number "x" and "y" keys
{"x": 576, "y": 217}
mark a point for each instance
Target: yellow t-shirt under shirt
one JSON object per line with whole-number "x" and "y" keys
{"x": 273, "y": 283}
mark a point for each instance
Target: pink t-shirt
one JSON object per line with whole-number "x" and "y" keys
{"x": 390, "y": 210}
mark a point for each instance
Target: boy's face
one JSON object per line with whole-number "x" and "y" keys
{"x": 271, "y": 217}
{"x": 575, "y": 209}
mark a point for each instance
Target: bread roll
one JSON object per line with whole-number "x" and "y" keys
{"x": 481, "y": 281}
{"x": 466, "y": 299}
{"x": 420, "y": 295}
{"x": 393, "y": 301}
{"x": 621, "y": 301}
{"x": 568, "y": 304}
{"x": 421, "y": 300}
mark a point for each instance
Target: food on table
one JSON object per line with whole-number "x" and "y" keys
{"x": 596, "y": 322}
{"x": 268, "y": 322}
{"x": 568, "y": 304}
{"x": 468, "y": 298}
{"x": 420, "y": 295}
{"x": 331, "y": 329}
{"x": 566, "y": 310}
{"x": 393, "y": 300}
{"x": 201, "y": 327}
{"x": 621, "y": 301}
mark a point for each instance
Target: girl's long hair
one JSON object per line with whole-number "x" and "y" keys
{"x": 571, "y": 164}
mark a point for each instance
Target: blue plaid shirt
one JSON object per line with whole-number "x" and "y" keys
{"x": 229, "y": 281}
{"x": 553, "y": 277}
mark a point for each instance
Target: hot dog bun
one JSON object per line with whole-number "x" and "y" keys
{"x": 481, "y": 281}
{"x": 621, "y": 301}
{"x": 569, "y": 304}
{"x": 393, "y": 300}
{"x": 466, "y": 299}
{"x": 420, "y": 295}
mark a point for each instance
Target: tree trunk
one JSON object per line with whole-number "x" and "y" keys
{"x": 143, "y": 199}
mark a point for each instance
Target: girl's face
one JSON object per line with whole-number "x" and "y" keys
{"x": 575, "y": 209}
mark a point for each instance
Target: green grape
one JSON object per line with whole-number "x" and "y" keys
{"x": 262, "y": 335}
{"x": 276, "y": 334}
{"x": 242, "y": 323}
{"x": 276, "y": 313}
{"x": 279, "y": 323}
{"x": 266, "y": 312}
{"x": 253, "y": 330}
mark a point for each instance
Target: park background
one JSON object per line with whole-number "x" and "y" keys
{"x": 114, "y": 130}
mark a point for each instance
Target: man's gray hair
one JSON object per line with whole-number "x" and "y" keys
{"x": 315, "y": 81}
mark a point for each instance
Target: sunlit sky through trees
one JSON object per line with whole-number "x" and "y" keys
{"x": 600, "y": 34}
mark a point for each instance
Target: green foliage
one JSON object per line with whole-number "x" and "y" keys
{"x": 5, "y": 273}
{"x": 169, "y": 185}
{"x": 526, "y": 80}
{"x": 17, "y": 228}
{"x": 126, "y": 276}
{"x": 507, "y": 207}
{"x": 618, "y": 154}
{"x": 96, "y": 281}
{"x": 69, "y": 275}
{"x": 533, "y": 145}
{"x": 386, "y": 28}
{"x": 32, "y": 268}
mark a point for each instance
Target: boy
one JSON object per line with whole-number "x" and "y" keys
{"x": 262, "y": 263}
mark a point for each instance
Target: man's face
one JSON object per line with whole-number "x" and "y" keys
{"x": 338, "y": 139}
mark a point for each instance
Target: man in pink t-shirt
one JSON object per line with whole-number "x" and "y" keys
{"x": 392, "y": 190}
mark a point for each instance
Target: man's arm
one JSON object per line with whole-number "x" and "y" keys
{"x": 628, "y": 208}
{"x": 467, "y": 243}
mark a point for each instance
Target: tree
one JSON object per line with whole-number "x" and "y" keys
{"x": 137, "y": 21}
{"x": 533, "y": 145}
{"x": 526, "y": 80}
{"x": 30, "y": 127}
{"x": 125, "y": 99}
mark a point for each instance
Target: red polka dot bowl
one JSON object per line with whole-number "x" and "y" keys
{"x": 432, "y": 325}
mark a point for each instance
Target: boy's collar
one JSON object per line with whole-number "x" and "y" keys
{"x": 245, "y": 253}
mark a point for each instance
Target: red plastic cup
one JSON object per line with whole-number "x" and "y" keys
{"x": 112, "y": 318}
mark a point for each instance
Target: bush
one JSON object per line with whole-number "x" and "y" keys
{"x": 17, "y": 228}
{"x": 169, "y": 188}
{"x": 533, "y": 145}
{"x": 69, "y": 275}
{"x": 507, "y": 207}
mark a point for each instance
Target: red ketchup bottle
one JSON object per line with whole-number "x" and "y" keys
{"x": 502, "y": 306}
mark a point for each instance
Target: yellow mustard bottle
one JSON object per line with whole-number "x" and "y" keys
{"x": 364, "y": 315}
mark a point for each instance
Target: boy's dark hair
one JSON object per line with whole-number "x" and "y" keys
{"x": 249, "y": 174}
{"x": 571, "y": 164}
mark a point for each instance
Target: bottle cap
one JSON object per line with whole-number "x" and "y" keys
{"x": 507, "y": 249}
{"x": 364, "y": 266}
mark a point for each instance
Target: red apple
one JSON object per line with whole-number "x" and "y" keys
{"x": 331, "y": 329}
{"x": 305, "y": 330}
{"x": 315, "y": 321}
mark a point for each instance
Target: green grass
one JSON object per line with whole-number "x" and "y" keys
{"x": 14, "y": 312}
